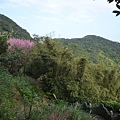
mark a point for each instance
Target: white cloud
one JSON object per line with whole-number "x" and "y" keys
{"x": 59, "y": 4}
{"x": 7, "y": 5}
{"x": 45, "y": 18}
{"x": 55, "y": 6}
{"x": 22, "y": 17}
{"x": 59, "y": 10}
{"x": 23, "y": 2}
{"x": 81, "y": 17}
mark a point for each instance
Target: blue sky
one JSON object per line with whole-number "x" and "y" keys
{"x": 64, "y": 18}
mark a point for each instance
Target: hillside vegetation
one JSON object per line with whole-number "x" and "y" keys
{"x": 95, "y": 48}
{"x": 50, "y": 79}
{"x": 23, "y": 97}
{"x": 9, "y": 26}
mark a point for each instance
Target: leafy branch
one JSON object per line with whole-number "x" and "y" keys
{"x": 117, "y": 12}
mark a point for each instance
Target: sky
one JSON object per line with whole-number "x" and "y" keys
{"x": 64, "y": 18}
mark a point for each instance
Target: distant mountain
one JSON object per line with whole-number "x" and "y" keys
{"x": 8, "y": 25}
{"x": 95, "y": 48}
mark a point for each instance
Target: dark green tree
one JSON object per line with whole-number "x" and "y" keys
{"x": 3, "y": 42}
{"x": 54, "y": 67}
{"x": 117, "y": 5}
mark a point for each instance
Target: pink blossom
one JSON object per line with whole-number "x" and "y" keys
{"x": 24, "y": 44}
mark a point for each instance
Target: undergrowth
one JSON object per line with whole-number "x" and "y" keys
{"x": 21, "y": 100}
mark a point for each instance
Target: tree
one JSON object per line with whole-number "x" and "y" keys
{"x": 117, "y": 5}
{"x": 117, "y": 1}
{"x": 18, "y": 52}
{"x": 3, "y": 42}
{"x": 54, "y": 68}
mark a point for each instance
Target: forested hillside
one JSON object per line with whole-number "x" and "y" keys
{"x": 9, "y": 26}
{"x": 51, "y": 79}
{"x": 95, "y": 48}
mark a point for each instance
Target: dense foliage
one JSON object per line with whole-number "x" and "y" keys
{"x": 96, "y": 49}
{"x": 16, "y": 54}
{"x": 3, "y": 44}
{"x": 64, "y": 71}
{"x": 69, "y": 77}
{"x": 21, "y": 99}
{"x": 9, "y": 26}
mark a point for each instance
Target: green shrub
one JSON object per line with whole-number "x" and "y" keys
{"x": 18, "y": 97}
{"x": 7, "y": 103}
{"x": 114, "y": 104}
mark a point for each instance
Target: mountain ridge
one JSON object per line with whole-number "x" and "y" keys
{"x": 9, "y": 26}
{"x": 96, "y": 47}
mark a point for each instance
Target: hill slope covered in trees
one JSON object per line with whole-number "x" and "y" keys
{"x": 95, "y": 48}
{"x": 9, "y": 26}
{"x": 43, "y": 80}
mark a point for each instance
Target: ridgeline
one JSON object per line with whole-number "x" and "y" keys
{"x": 95, "y": 48}
{"x": 9, "y": 26}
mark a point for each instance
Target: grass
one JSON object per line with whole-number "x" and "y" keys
{"x": 60, "y": 110}
{"x": 12, "y": 102}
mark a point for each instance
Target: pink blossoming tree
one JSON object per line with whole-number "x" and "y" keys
{"x": 21, "y": 49}
{"x": 19, "y": 43}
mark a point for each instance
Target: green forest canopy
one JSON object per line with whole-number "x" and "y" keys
{"x": 95, "y": 48}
